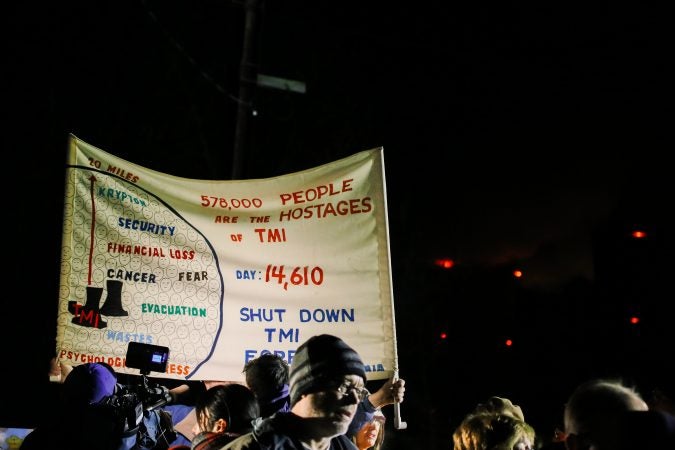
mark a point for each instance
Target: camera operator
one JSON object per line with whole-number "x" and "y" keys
{"x": 95, "y": 411}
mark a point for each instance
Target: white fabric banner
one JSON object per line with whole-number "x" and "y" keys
{"x": 223, "y": 271}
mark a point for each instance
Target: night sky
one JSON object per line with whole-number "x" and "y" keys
{"x": 520, "y": 134}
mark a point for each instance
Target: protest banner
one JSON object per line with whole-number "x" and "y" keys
{"x": 223, "y": 271}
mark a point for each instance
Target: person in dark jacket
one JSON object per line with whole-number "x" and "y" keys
{"x": 327, "y": 379}
{"x": 223, "y": 413}
{"x": 90, "y": 416}
{"x": 267, "y": 376}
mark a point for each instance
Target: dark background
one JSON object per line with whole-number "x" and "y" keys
{"x": 530, "y": 135}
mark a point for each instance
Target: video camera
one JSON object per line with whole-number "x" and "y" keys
{"x": 132, "y": 404}
{"x": 147, "y": 358}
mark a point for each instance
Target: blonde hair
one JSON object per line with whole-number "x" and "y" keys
{"x": 491, "y": 431}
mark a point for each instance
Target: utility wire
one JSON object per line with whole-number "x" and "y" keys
{"x": 182, "y": 51}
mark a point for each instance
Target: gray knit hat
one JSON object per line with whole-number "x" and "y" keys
{"x": 320, "y": 360}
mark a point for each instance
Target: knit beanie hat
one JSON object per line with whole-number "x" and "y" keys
{"x": 89, "y": 384}
{"x": 320, "y": 360}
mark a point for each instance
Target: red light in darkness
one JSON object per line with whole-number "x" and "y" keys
{"x": 445, "y": 263}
